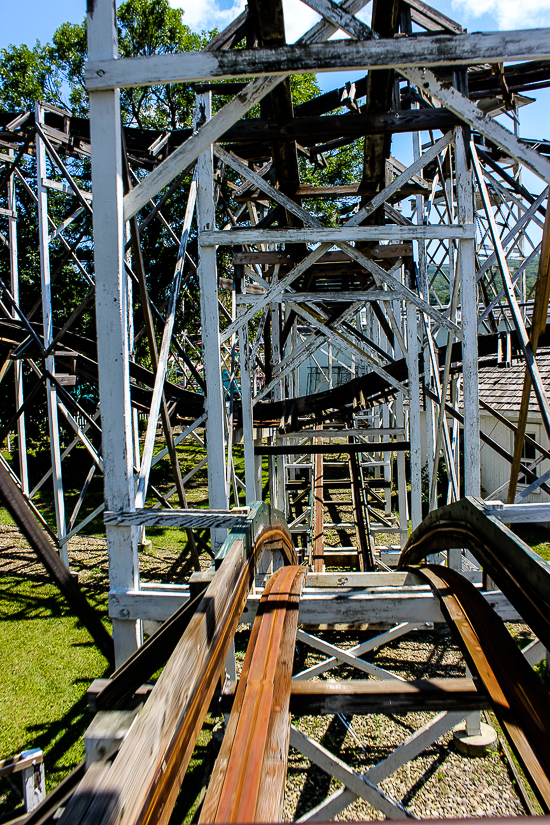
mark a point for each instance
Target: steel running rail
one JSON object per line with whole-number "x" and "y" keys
{"x": 248, "y": 780}
{"x": 141, "y": 785}
{"x": 519, "y": 699}
{"x": 521, "y": 574}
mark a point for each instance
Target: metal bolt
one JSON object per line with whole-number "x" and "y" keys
{"x": 124, "y": 613}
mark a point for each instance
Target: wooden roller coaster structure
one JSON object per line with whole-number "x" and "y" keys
{"x": 391, "y": 289}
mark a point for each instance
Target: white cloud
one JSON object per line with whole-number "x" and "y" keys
{"x": 509, "y": 14}
{"x": 299, "y": 18}
{"x": 202, "y": 15}
{"x": 206, "y": 14}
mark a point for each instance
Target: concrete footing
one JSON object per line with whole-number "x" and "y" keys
{"x": 477, "y": 744}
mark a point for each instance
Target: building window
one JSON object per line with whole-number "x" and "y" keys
{"x": 528, "y": 455}
{"x": 316, "y": 381}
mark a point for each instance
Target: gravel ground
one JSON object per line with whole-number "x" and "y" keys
{"x": 88, "y": 555}
{"x": 438, "y": 783}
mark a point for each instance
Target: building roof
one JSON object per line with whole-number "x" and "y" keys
{"x": 501, "y": 387}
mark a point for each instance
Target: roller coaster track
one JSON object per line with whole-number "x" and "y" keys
{"x": 363, "y": 391}
{"x": 248, "y": 780}
{"x": 518, "y": 697}
{"x": 140, "y": 784}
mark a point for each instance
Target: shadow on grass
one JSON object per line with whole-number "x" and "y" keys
{"x": 60, "y": 739}
{"x": 34, "y": 603}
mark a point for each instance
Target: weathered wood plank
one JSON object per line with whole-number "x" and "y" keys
{"x": 167, "y": 728}
{"x": 390, "y": 232}
{"x": 470, "y": 113}
{"x": 383, "y": 251}
{"x": 323, "y": 449}
{"x": 176, "y": 517}
{"x": 436, "y": 50}
{"x": 339, "y": 16}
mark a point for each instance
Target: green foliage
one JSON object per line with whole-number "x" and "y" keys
{"x": 26, "y": 75}
{"x": 152, "y": 27}
{"x": 343, "y": 166}
{"x": 441, "y": 285}
{"x": 69, "y": 48}
{"x": 54, "y": 73}
{"x": 303, "y": 87}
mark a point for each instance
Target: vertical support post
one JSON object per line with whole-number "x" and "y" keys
{"x": 425, "y": 293}
{"x": 414, "y": 416}
{"x": 47, "y": 322}
{"x": 276, "y": 354}
{"x": 208, "y": 278}
{"x": 18, "y": 365}
{"x": 248, "y": 422}
{"x": 317, "y": 504}
{"x": 259, "y": 468}
{"x": 386, "y": 458}
{"x": 34, "y": 780}
{"x": 401, "y": 475}
{"x": 112, "y": 323}
{"x": 467, "y": 273}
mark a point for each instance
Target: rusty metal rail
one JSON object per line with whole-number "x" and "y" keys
{"x": 518, "y": 698}
{"x": 521, "y": 574}
{"x": 247, "y": 783}
{"x": 142, "y": 783}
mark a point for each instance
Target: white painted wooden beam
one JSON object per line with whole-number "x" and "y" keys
{"x": 47, "y": 324}
{"x": 467, "y": 111}
{"x": 177, "y": 517}
{"x": 212, "y": 130}
{"x": 340, "y": 17}
{"x": 401, "y": 52}
{"x": 468, "y": 292}
{"x": 330, "y": 607}
{"x": 335, "y": 234}
{"x": 334, "y": 766}
{"x": 112, "y": 330}
{"x": 199, "y": 142}
{"x": 519, "y": 513}
{"x": 210, "y": 325}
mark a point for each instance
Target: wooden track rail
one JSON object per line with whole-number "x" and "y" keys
{"x": 521, "y": 574}
{"x": 142, "y": 783}
{"x": 247, "y": 784}
{"x": 518, "y": 698}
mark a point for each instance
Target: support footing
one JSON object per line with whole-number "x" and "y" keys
{"x": 476, "y": 745}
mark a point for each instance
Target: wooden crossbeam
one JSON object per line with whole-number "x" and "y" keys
{"x": 431, "y": 50}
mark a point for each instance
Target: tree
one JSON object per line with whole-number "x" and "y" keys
{"x": 27, "y": 75}
{"x": 54, "y": 73}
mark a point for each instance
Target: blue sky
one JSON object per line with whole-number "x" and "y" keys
{"x": 29, "y": 20}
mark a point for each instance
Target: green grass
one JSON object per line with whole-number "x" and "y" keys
{"x": 537, "y": 537}
{"x": 48, "y": 662}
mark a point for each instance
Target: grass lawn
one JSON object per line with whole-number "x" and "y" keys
{"x": 537, "y": 537}
{"x": 48, "y": 662}
{"x": 48, "y": 659}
